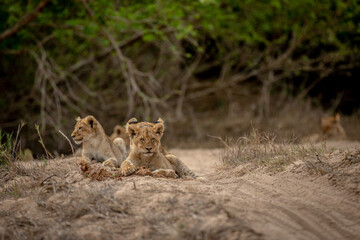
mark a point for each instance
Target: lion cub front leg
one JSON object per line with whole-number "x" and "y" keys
{"x": 119, "y": 142}
{"x": 165, "y": 173}
{"x": 127, "y": 167}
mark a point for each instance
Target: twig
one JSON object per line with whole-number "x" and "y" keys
{"x": 54, "y": 188}
{"x": 42, "y": 142}
{"x": 42, "y": 183}
{"x": 219, "y": 138}
{"x": 72, "y": 148}
{"x": 54, "y": 175}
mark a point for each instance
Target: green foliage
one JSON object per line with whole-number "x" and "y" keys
{"x": 230, "y": 23}
{"x": 164, "y": 38}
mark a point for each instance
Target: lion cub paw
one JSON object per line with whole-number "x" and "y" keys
{"x": 83, "y": 160}
{"x": 127, "y": 168}
{"x": 165, "y": 173}
{"x": 111, "y": 162}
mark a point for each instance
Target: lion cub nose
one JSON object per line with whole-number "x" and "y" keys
{"x": 73, "y": 135}
{"x": 148, "y": 148}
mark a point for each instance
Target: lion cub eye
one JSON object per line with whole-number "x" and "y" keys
{"x": 79, "y": 128}
{"x": 142, "y": 140}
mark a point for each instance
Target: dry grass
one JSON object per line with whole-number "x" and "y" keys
{"x": 10, "y": 149}
{"x": 261, "y": 150}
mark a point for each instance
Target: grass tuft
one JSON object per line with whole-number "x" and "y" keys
{"x": 9, "y": 149}
{"x": 6, "y": 148}
{"x": 261, "y": 150}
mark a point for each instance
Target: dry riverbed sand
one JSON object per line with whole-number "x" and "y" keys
{"x": 54, "y": 200}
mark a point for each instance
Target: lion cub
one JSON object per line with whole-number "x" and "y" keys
{"x": 146, "y": 151}
{"x": 120, "y": 132}
{"x": 331, "y": 128}
{"x": 96, "y": 144}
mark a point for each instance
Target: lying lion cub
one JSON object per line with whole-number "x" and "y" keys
{"x": 96, "y": 144}
{"x": 331, "y": 129}
{"x": 146, "y": 151}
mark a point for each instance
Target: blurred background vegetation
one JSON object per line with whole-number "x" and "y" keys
{"x": 208, "y": 67}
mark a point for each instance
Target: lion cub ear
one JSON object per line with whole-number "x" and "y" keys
{"x": 131, "y": 127}
{"x": 78, "y": 118}
{"x": 132, "y": 121}
{"x": 159, "y": 127}
{"x": 159, "y": 121}
{"x": 118, "y": 131}
{"x": 91, "y": 121}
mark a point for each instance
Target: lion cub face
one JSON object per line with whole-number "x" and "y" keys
{"x": 84, "y": 129}
{"x": 145, "y": 136}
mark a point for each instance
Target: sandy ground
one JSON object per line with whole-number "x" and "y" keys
{"x": 221, "y": 204}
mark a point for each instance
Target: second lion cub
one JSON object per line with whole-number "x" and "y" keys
{"x": 96, "y": 144}
{"x": 145, "y": 151}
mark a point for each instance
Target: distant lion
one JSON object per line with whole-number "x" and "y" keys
{"x": 96, "y": 144}
{"x": 146, "y": 151}
{"x": 331, "y": 129}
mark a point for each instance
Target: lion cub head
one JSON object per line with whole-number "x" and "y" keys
{"x": 145, "y": 136}
{"x": 331, "y": 127}
{"x": 85, "y": 128}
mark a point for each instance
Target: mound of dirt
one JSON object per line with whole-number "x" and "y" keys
{"x": 60, "y": 199}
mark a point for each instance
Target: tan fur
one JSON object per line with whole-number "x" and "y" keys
{"x": 331, "y": 129}
{"x": 120, "y": 132}
{"x": 145, "y": 151}
{"x": 96, "y": 144}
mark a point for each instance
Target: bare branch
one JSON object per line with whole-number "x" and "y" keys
{"x": 183, "y": 82}
{"x": 72, "y": 148}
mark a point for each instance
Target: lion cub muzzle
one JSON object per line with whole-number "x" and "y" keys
{"x": 77, "y": 139}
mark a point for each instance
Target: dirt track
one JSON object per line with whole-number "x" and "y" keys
{"x": 223, "y": 204}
